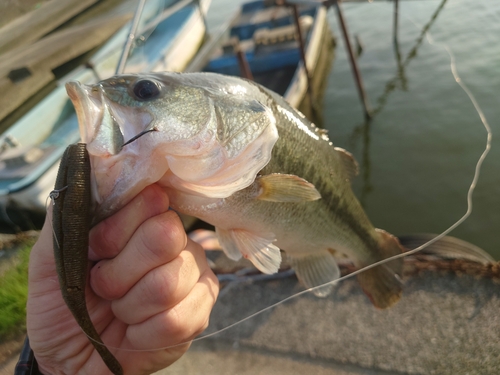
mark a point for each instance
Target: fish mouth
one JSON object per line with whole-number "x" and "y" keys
{"x": 106, "y": 127}
{"x": 87, "y": 105}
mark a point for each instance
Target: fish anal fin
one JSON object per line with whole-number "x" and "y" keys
{"x": 389, "y": 246}
{"x": 314, "y": 270}
{"x": 382, "y": 284}
{"x": 277, "y": 187}
{"x": 348, "y": 163}
{"x": 257, "y": 248}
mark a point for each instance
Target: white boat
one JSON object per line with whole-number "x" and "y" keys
{"x": 30, "y": 149}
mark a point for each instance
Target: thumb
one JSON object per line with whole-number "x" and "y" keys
{"x": 42, "y": 266}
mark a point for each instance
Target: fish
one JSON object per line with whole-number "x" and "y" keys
{"x": 237, "y": 156}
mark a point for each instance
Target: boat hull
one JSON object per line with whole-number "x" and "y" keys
{"x": 53, "y": 123}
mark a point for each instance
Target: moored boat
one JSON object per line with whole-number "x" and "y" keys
{"x": 30, "y": 149}
{"x": 262, "y": 37}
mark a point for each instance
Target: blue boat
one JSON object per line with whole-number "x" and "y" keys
{"x": 169, "y": 34}
{"x": 266, "y": 35}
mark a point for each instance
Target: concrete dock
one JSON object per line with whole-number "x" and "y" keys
{"x": 444, "y": 324}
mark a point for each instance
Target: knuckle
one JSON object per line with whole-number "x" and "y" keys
{"x": 102, "y": 239}
{"x": 175, "y": 325}
{"x": 163, "y": 236}
{"x": 159, "y": 287}
{"x": 212, "y": 283}
{"x": 153, "y": 195}
{"x": 203, "y": 327}
{"x": 102, "y": 283}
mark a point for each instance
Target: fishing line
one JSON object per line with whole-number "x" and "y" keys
{"x": 54, "y": 194}
{"x": 470, "y": 192}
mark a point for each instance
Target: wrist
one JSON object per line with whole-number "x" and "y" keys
{"x": 27, "y": 364}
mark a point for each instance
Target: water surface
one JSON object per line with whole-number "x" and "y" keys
{"x": 418, "y": 154}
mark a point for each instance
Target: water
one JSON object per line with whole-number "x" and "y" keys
{"x": 417, "y": 156}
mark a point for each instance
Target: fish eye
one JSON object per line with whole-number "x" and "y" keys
{"x": 146, "y": 89}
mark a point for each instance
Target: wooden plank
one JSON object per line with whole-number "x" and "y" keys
{"x": 62, "y": 46}
{"x": 15, "y": 94}
{"x": 47, "y": 54}
{"x": 12, "y": 9}
{"x": 33, "y": 25}
{"x": 103, "y": 8}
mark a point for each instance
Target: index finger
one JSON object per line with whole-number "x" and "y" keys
{"x": 110, "y": 236}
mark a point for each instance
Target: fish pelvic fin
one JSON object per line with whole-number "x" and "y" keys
{"x": 314, "y": 270}
{"x": 258, "y": 248}
{"x": 383, "y": 284}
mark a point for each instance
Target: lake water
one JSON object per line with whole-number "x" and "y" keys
{"x": 418, "y": 154}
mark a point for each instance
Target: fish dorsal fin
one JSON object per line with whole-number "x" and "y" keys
{"x": 316, "y": 269}
{"x": 256, "y": 248}
{"x": 348, "y": 163}
{"x": 277, "y": 187}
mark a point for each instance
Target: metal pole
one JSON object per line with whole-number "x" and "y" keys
{"x": 396, "y": 18}
{"x": 245, "y": 70}
{"x": 352, "y": 59}
{"x": 303, "y": 53}
{"x": 131, "y": 36}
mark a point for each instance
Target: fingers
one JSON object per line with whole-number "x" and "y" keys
{"x": 181, "y": 323}
{"x": 157, "y": 241}
{"x": 159, "y": 282}
{"x": 111, "y": 235}
{"x": 163, "y": 287}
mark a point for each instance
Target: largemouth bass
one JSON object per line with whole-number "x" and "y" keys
{"x": 239, "y": 157}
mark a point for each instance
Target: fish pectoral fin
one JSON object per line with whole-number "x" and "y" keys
{"x": 277, "y": 187}
{"x": 314, "y": 270}
{"x": 257, "y": 248}
{"x": 349, "y": 164}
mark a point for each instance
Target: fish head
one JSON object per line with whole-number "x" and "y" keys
{"x": 205, "y": 134}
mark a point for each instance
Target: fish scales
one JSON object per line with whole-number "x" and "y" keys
{"x": 236, "y": 155}
{"x": 327, "y": 221}
{"x": 319, "y": 163}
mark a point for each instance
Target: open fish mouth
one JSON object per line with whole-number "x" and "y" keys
{"x": 87, "y": 106}
{"x": 106, "y": 127}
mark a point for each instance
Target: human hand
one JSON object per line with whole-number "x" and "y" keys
{"x": 149, "y": 287}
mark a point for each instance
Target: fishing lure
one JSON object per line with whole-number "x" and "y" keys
{"x": 71, "y": 225}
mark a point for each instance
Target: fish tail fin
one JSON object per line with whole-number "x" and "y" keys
{"x": 447, "y": 248}
{"x": 382, "y": 284}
